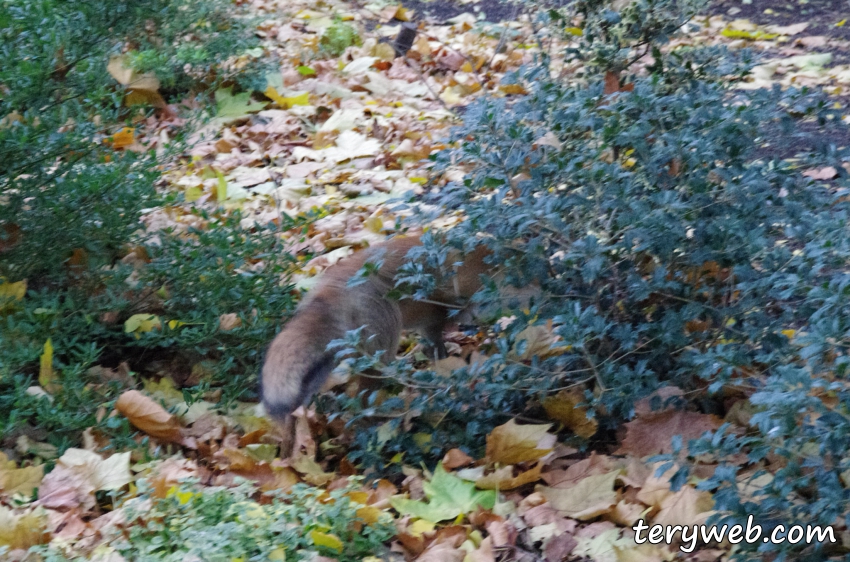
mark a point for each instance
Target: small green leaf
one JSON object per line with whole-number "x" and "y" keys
{"x": 305, "y": 71}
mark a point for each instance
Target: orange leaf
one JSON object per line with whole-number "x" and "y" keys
{"x": 123, "y": 138}
{"x": 148, "y": 416}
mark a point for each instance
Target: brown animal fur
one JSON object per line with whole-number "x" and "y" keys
{"x": 297, "y": 361}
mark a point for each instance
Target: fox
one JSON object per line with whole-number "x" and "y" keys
{"x": 297, "y": 362}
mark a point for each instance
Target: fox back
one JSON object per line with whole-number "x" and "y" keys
{"x": 298, "y": 363}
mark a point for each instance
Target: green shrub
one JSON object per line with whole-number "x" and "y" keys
{"x": 338, "y": 37}
{"x": 673, "y": 247}
{"x": 71, "y": 201}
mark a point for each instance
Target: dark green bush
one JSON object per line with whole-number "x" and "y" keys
{"x": 675, "y": 245}
{"x": 71, "y": 203}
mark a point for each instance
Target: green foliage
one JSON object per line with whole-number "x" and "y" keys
{"x": 71, "y": 204}
{"x": 673, "y": 246}
{"x": 338, "y": 37}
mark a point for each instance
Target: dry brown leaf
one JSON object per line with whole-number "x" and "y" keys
{"x": 148, "y": 416}
{"x": 563, "y": 407}
{"x": 688, "y": 506}
{"x": 455, "y": 458}
{"x": 19, "y": 480}
{"x": 559, "y": 547}
{"x": 21, "y": 529}
{"x": 504, "y": 479}
{"x": 626, "y": 513}
{"x": 230, "y": 321}
{"x": 594, "y": 464}
{"x": 78, "y": 474}
{"x": 653, "y": 434}
{"x": 512, "y": 444}
{"x": 656, "y": 488}
{"x": 589, "y": 498}
{"x": 826, "y": 173}
{"x": 661, "y": 396}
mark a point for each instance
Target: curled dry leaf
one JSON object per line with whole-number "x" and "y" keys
{"x": 149, "y": 417}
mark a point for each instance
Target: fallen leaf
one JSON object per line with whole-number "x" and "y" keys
{"x": 233, "y": 107}
{"x": 652, "y": 434}
{"x": 141, "y": 323}
{"x": 585, "y": 500}
{"x": 448, "y": 496}
{"x": 563, "y": 407}
{"x": 22, "y": 480}
{"x": 230, "y": 321}
{"x": 148, "y": 416}
{"x": 826, "y": 173}
{"x": 512, "y": 444}
{"x": 22, "y": 529}
{"x": 455, "y": 458}
{"x": 46, "y": 376}
{"x": 688, "y": 506}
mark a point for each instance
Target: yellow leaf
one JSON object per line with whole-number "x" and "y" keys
{"x": 193, "y": 194}
{"x": 511, "y": 443}
{"x": 221, "y": 187}
{"x": 575, "y": 31}
{"x": 174, "y": 324}
{"x": 327, "y": 540}
{"x": 12, "y": 291}
{"x": 277, "y": 555}
{"x": 184, "y": 497}
{"x": 140, "y": 323}
{"x": 46, "y": 377}
{"x": 841, "y": 23}
{"x": 19, "y": 480}
{"x": 286, "y": 102}
{"x": 369, "y": 514}
{"x": 789, "y": 333}
{"x": 420, "y": 527}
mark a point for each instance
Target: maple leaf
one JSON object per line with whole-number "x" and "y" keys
{"x": 588, "y": 498}
{"x": 233, "y": 107}
{"x": 652, "y": 434}
{"x": 448, "y": 496}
